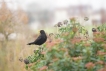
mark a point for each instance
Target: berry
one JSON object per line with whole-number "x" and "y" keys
{"x": 93, "y": 30}
{"x": 26, "y": 61}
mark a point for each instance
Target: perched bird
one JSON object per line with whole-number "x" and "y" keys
{"x": 40, "y": 40}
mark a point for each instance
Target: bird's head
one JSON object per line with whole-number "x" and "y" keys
{"x": 42, "y": 31}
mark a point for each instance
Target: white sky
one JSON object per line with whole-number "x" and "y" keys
{"x": 96, "y": 4}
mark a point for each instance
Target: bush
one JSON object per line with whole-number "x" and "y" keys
{"x": 71, "y": 50}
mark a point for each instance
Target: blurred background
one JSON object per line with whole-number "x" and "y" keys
{"x": 19, "y": 20}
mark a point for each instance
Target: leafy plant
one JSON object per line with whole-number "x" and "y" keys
{"x": 71, "y": 50}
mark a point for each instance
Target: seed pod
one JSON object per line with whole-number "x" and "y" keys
{"x": 59, "y": 24}
{"x": 94, "y": 30}
{"x": 65, "y": 21}
{"x": 21, "y": 59}
{"x": 26, "y": 61}
{"x": 86, "y": 18}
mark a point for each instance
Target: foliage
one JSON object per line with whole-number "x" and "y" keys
{"x": 71, "y": 50}
{"x": 10, "y": 21}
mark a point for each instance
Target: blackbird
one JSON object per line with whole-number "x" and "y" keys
{"x": 40, "y": 40}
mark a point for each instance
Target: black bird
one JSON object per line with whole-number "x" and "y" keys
{"x": 40, "y": 40}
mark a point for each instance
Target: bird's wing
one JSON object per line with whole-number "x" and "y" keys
{"x": 39, "y": 38}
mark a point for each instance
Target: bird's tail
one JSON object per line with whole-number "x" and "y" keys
{"x": 30, "y": 43}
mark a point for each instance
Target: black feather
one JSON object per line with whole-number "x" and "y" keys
{"x": 40, "y": 40}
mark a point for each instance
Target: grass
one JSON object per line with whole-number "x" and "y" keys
{"x": 9, "y": 58}
{"x": 73, "y": 49}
